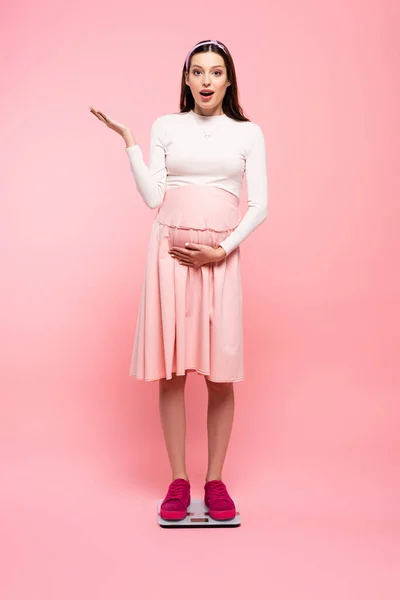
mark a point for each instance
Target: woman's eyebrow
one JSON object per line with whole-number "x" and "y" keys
{"x": 214, "y": 67}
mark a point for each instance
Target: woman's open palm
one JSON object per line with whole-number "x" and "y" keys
{"x": 118, "y": 127}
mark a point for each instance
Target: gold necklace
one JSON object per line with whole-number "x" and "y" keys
{"x": 206, "y": 135}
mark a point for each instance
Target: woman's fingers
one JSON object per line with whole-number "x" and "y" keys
{"x": 118, "y": 127}
{"x": 100, "y": 115}
{"x": 103, "y": 115}
{"x": 186, "y": 262}
{"x": 181, "y": 252}
{"x": 183, "y": 260}
{"x": 95, "y": 112}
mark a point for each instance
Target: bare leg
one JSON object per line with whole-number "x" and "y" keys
{"x": 220, "y": 413}
{"x": 173, "y": 422}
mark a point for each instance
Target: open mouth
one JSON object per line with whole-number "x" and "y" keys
{"x": 206, "y": 94}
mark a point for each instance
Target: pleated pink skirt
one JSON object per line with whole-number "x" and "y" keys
{"x": 190, "y": 318}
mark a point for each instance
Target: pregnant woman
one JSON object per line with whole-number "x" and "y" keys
{"x": 190, "y": 314}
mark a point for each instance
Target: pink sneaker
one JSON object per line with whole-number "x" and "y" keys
{"x": 220, "y": 505}
{"x": 175, "y": 504}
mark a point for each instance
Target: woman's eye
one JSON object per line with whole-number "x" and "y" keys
{"x": 197, "y": 71}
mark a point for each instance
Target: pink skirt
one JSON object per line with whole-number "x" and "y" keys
{"x": 191, "y": 318}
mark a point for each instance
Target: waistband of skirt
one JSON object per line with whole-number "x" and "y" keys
{"x": 202, "y": 207}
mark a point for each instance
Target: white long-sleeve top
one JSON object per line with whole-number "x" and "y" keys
{"x": 180, "y": 154}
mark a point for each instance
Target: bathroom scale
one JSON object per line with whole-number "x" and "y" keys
{"x": 197, "y": 517}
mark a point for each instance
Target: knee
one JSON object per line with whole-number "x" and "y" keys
{"x": 220, "y": 389}
{"x": 177, "y": 382}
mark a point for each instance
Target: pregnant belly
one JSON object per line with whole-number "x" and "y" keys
{"x": 199, "y": 214}
{"x": 178, "y": 236}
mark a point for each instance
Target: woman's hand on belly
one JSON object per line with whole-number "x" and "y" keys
{"x": 196, "y": 255}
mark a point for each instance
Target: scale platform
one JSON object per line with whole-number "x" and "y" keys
{"x": 198, "y": 517}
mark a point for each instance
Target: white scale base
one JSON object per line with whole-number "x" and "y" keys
{"x": 198, "y": 517}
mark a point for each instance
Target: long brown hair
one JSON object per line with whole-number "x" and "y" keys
{"x": 230, "y": 103}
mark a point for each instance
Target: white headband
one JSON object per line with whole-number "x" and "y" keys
{"x": 203, "y": 44}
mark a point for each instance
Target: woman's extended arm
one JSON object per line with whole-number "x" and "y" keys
{"x": 257, "y": 193}
{"x": 150, "y": 180}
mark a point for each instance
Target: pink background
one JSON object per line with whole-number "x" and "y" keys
{"x": 314, "y": 456}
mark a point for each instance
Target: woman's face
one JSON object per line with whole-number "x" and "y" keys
{"x": 207, "y": 72}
